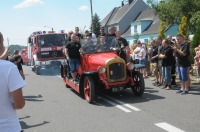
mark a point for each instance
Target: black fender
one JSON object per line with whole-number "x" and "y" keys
{"x": 93, "y": 74}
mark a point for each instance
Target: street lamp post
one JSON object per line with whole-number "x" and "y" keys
{"x": 91, "y": 15}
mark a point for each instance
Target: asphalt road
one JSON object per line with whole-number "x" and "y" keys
{"x": 51, "y": 107}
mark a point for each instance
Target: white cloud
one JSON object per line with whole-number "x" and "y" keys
{"x": 28, "y": 3}
{"x": 83, "y": 8}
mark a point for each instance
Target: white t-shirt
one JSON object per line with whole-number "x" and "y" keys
{"x": 10, "y": 80}
{"x": 136, "y": 50}
{"x": 141, "y": 50}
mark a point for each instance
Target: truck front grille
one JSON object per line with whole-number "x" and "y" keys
{"x": 116, "y": 71}
{"x": 50, "y": 54}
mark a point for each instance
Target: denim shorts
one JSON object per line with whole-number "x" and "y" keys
{"x": 74, "y": 64}
{"x": 182, "y": 73}
{"x": 166, "y": 73}
{"x": 143, "y": 61}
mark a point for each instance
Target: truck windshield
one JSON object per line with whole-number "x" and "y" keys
{"x": 52, "y": 40}
{"x": 103, "y": 44}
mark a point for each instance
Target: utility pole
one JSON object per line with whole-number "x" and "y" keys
{"x": 91, "y": 15}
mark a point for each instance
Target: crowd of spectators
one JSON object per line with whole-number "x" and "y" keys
{"x": 169, "y": 58}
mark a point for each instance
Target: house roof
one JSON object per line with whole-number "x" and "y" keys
{"x": 147, "y": 14}
{"x": 109, "y": 16}
{"x": 117, "y": 14}
{"x": 120, "y": 14}
{"x": 127, "y": 32}
{"x": 153, "y": 28}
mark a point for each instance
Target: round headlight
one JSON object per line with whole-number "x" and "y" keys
{"x": 101, "y": 70}
{"x": 130, "y": 66}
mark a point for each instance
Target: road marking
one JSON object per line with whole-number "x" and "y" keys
{"x": 168, "y": 127}
{"x": 123, "y": 103}
{"x": 116, "y": 105}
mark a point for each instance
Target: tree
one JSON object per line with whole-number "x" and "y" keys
{"x": 149, "y": 2}
{"x": 171, "y": 11}
{"x": 96, "y": 24}
{"x": 183, "y": 28}
{"x": 195, "y": 20}
{"x": 161, "y": 29}
{"x": 195, "y": 41}
{"x": 136, "y": 37}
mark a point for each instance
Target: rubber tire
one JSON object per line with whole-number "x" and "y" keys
{"x": 37, "y": 70}
{"x": 32, "y": 64}
{"x": 91, "y": 95}
{"x": 139, "y": 87}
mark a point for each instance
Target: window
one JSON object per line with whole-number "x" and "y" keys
{"x": 135, "y": 28}
{"x": 146, "y": 41}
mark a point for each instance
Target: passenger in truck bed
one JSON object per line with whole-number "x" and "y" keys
{"x": 102, "y": 45}
{"x": 89, "y": 46}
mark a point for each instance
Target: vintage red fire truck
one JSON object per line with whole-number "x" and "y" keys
{"x": 103, "y": 69}
{"x": 45, "y": 49}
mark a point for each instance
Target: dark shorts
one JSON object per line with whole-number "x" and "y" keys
{"x": 142, "y": 61}
{"x": 74, "y": 64}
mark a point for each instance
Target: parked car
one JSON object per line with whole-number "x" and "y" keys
{"x": 103, "y": 69}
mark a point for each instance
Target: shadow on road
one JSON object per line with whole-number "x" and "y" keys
{"x": 195, "y": 90}
{"x": 49, "y": 72}
{"x": 24, "y": 117}
{"x": 33, "y": 98}
{"x": 25, "y": 126}
{"x": 127, "y": 96}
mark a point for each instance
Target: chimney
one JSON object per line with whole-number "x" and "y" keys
{"x": 130, "y": 1}
{"x": 122, "y": 3}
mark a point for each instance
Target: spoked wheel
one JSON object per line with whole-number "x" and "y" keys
{"x": 89, "y": 89}
{"x": 138, "y": 88}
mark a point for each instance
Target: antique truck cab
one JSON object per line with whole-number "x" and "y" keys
{"x": 102, "y": 68}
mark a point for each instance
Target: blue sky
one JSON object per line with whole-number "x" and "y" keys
{"x": 19, "y": 18}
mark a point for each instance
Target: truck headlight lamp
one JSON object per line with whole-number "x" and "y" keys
{"x": 130, "y": 66}
{"x": 101, "y": 70}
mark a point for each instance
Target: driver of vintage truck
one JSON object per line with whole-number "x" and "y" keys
{"x": 121, "y": 45}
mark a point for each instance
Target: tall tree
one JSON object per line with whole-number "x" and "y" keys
{"x": 136, "y": 37}
{"x": 96, "y": 24}
{"x": 183, "y": 28}
{"x": 171, "y": 11}
{"x": 161, "y": 29}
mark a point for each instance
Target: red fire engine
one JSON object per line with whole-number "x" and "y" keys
{"x": 24, "y": 55}
{"x": 45, "y": 49}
